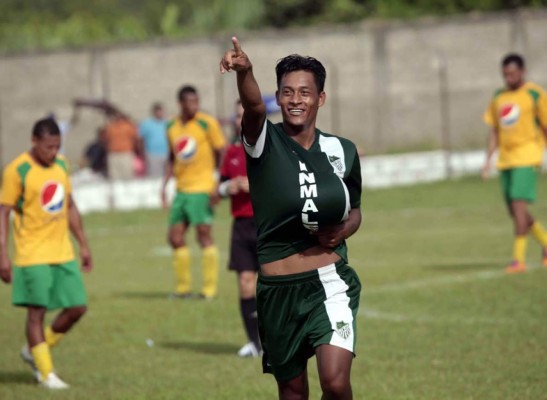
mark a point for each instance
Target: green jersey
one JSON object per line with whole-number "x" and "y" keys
{"x": 295, "y": 191}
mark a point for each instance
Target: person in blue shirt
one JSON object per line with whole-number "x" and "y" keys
{"x": 153, "y": 134}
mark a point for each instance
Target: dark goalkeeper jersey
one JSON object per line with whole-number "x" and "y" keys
{"x": 295, "y": 191}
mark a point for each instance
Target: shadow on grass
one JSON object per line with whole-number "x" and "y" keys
{"x": 201, "y": 347}
{"x": 144, "y": 295}
{"x": 465, "y": 266}
{"x": 15, "y": 377}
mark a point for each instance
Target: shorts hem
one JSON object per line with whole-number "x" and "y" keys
{"x": 269, "y": 370}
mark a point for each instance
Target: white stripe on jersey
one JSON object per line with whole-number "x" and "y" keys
{"x": 255, "y": 151}
{"x": 332, "y": 147}
{"x": 337, "y": 307}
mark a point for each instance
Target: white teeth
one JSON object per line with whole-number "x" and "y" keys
{"x": 296, "y": 111}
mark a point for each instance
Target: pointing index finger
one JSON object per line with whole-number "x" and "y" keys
{"x": 237, "y": 46}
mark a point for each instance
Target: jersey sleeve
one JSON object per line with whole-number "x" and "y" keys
{"x": 68, "y": 181}
{"x": 353, "y": 182}
{"x": 489, "y": 117}
{"x": 542, "y": 109}
{"x": 11, "y": 187}
{"x": 216, "y": 135}
{"x": 256, "y": 150}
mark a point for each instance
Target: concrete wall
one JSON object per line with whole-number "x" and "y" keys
{"x": 383, "y": 85}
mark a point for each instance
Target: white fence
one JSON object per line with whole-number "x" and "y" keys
{"x": 93, "y": 195}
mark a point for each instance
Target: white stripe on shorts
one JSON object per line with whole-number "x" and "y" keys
{"x": 337, "y": 306}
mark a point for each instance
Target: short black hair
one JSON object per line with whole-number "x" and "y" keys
{"x": 513, "y": 58}
{"x": 157, "y": 106}
{"x": 296, "y": 62}
{"x": 186, "y": 89}
{"x": 45, "y": 125}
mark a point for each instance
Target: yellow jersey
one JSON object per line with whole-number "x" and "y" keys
{"x": 193, "y": 144}
{"x": 518, "y": 116}
{"x": 40, "y": 197}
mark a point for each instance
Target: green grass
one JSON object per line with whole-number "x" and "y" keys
{"x": 438, "y": 318}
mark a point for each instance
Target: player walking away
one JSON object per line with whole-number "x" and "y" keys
{"x": 243, "y": 257}
{"x": 517, "y": 115}
{"x": 36, "y": 187}
{"x": 305, "y": 189}
{"x": 196, "y": 145}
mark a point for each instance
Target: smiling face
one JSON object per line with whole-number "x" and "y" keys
{"x": 299, "y": 100}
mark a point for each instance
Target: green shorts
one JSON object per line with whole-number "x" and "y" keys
{"x": 519, "y": 183}
{"x": 49, "y": 285}
{"x": 192, "y": 209}
{"x": 297, "y": 313}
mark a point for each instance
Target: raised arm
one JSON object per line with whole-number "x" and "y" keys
{"x": 254, "y": 108}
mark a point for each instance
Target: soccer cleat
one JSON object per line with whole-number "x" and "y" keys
{"x": 177, "y": 295}
{"x": 249, "y": 350}
{"x": 515, "y": 267}
{"x": 52, "y": 381}
{"x": 202, "y": 296}
{"x": 27, "y": 357}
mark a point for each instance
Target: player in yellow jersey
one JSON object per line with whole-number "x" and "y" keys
{"x": 36, "y": 188}
{"x": 517, "y": 115}
{"x": 196, "y": 145}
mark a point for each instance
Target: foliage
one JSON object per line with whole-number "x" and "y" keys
{"x": 49, "y": 24}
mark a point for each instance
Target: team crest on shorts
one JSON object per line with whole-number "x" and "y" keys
{"x": 343, "y": 329}
{"x": 52, "y": 197}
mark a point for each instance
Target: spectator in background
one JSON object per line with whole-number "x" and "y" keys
{"x": 94, "y": 156}
{"x": 122, "y": 145}
{"x": 153, "y": 134}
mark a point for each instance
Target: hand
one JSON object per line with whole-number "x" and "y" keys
{"x": 243, "y": 184}
{"x": 485, "y": 171}
{"x": 214, "y": 198}
{"x": 233, "y": 186}
{"x": 5, "y": 269}
{"x": 235, "y": 59}
{"x": 87, "y": 261}
{"x": 331, "y": 236}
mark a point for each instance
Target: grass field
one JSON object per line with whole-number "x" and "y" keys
{"x": 438, "y": 320}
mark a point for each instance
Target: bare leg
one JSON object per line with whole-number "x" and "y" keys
{"x": 295, "y": 389}
{"x": 35, "y": 325}
{"x": 334, "y": 365}
{"x": 175, "y": 236}
{"x": 204, "y": 235}
{"x": 67, "y": 318}
{"x": 522, "y": 219}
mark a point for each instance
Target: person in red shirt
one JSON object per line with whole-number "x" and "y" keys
{"x": 243, "y": 257}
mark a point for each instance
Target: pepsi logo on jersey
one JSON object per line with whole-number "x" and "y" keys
{"x": 186, "y": 148}
{"x": 509, "y": 114}
{"x": 52, "y": 197}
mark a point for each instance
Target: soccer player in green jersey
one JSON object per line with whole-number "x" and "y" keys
{"x": 305, "y": 190}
